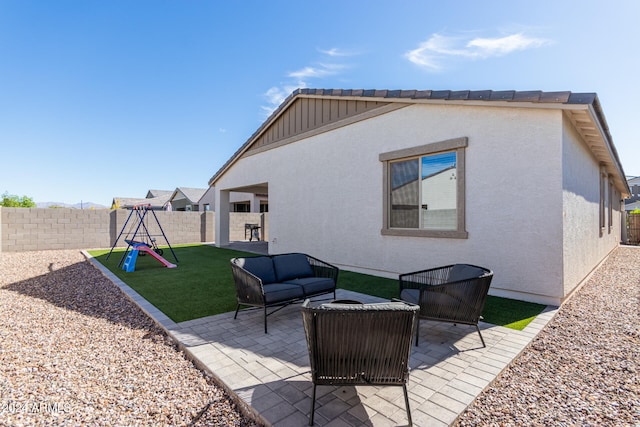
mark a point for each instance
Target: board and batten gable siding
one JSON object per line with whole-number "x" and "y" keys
{"x": 326, "y": 192}
{"x": 584, "y": 245}
{"x": 307, "y": 114}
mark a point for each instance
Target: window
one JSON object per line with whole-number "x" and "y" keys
{"x": 242, "y": 207}
{"x": 264, "y": 206}
{"x": 610, "y": 203}
{"x": 602, "y": 200}
{"x": 424, "y": 190}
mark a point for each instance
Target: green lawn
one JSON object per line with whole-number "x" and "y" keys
{"x": 202, "y": 285}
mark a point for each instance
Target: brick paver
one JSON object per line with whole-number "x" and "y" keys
{"x": 270, "y": 372}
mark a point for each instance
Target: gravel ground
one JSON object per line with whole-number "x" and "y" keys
{"x": 583, "y": 369}
{"x": 75, "y": 351}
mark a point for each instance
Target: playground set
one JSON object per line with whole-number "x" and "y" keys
{"x": 147, "y": 242}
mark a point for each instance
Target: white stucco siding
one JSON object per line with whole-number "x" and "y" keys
{"x": 325, "y": 195}
{"x": 513, "y": 197}
{"x": 584, "y": 244}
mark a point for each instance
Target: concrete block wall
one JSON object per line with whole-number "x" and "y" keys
{"x": 237, "y": 220}
{"x": 34, "y": 229}
{"x": 178, "y": 227}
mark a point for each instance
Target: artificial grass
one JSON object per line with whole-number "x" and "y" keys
{"x": 511, "y": 313}
{"x": 202, "y": 285}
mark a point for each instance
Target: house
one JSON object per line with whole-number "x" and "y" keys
{"x": 634, "y": 185}
{"x": 632, "y": 206}
{"x": 156, "y": 198}
{"x": 386, "y": 182}
{"x": 186, "y": 199}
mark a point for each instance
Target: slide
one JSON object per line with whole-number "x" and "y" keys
{"x": 150, "y": 251}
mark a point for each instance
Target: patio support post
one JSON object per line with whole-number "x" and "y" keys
{"x": 222, "y": 218}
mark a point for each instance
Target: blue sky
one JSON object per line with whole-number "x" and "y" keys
{"x": 112, "y": 98}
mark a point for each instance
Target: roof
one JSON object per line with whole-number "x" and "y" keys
{"x": 129, "y": 202}
{"x": 584, "y": 111}
{"x": 632, "y": 206}
{"x": 193, "y": 194}
{"x": 158, "y": 193}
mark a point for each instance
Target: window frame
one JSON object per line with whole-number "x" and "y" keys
{"x": 610, "y": 221}
{"x": 602, "y": 207}
{"x": 458, "y": 145}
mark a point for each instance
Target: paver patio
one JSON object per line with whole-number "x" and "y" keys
{"x": 270, "y": 372}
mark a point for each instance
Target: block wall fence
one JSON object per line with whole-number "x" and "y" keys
{"x": 36, "y": 229}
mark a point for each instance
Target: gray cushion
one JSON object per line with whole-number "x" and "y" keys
{"x": 278, "y": 292}
{"x": 291, "y": 266}
{"x": 464, "y": 272}
{"x": 378, "y": 306}
{"x": 314, "y": 285}
{"x": 261, "y": 266}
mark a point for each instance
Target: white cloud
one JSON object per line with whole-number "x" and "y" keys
{"x": 336, "y": 52}
{"x": 277, "y": 94}
{"x": 320, "y": 70}
{"x": 433, "y": 52}
{"x": 485, "y": 47}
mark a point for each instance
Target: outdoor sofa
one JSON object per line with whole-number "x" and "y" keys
{"x": 280, "y": 280}
{"x": 454, "y": 293}
{"x": 359, "y": 344}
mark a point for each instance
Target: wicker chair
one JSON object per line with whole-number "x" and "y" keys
{"x": 453, "y": 293}
{"x": 276, "y": 281}
{"x": 359, "y": 344}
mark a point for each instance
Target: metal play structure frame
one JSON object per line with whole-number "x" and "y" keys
{"x": 141, "y": 212}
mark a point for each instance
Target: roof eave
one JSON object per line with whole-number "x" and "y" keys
{"x": 595, "y": 110}
{"x": 529, "y": 99}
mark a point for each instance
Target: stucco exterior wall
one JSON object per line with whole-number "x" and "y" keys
{"x": 325, "y": 195}
{"x": 584, "y": 244}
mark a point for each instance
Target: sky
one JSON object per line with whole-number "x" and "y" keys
{"x": 104, "y": 99}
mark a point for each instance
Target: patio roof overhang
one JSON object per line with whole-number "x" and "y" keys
{"x": 262, "y": 188}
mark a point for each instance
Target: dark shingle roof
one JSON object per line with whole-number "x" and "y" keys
{"x": 459, "y": 95}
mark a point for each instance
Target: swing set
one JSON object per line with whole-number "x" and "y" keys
{"x": 145, "y": 243}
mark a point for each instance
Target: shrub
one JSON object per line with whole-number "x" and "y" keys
{"x": 13, "y": 201}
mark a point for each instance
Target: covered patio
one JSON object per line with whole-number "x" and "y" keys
{"x": 223, "y": 207}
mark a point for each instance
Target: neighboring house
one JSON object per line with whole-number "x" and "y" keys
{"x": 186, "y": 199}
{"x": 156, "y": 198}
{"x": 159, "y": 193}
{"x": 632, "y": 206}
{"x": 208, "y": 200}
{"x": 634, "y": 185}
{"x": 331, "y": 161}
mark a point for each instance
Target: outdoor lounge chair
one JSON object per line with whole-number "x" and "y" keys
{"x": 359, "y": 344}
{"x": 453, "y": 293}
{"x": 280, "y": 280}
